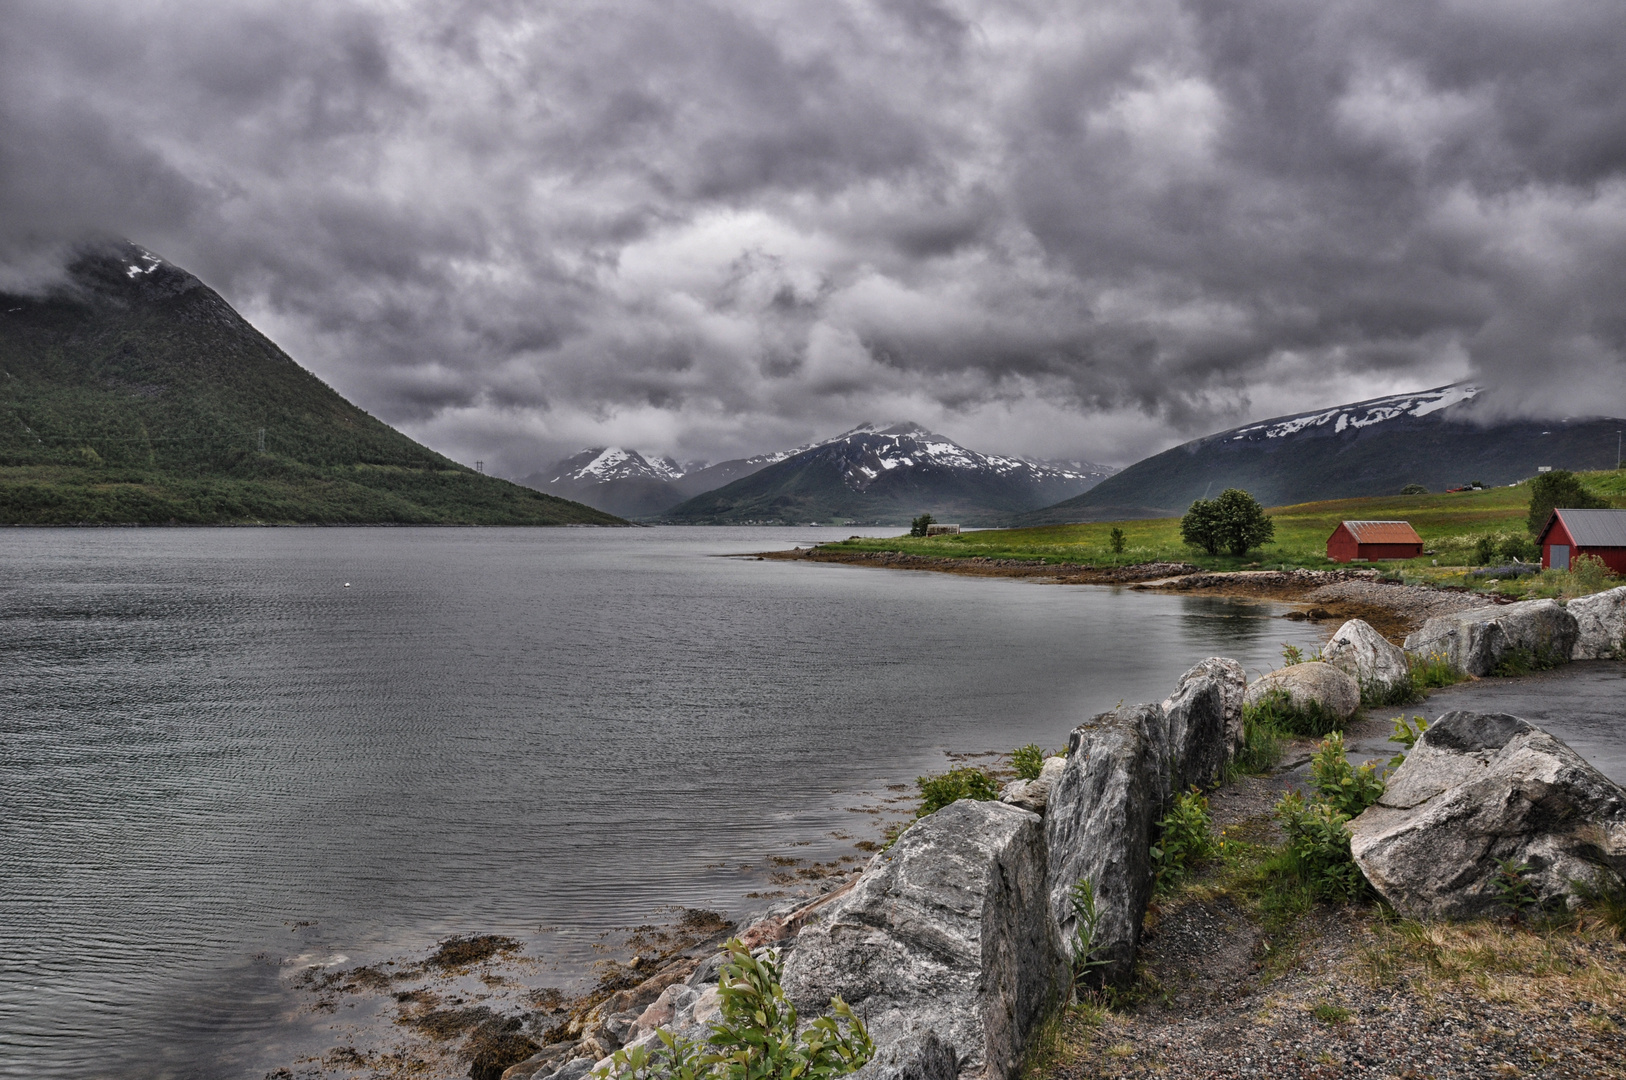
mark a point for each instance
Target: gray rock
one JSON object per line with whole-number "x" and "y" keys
{"x": 1478, "y": 789}
{"x": 1314, "y": 682}
{"x": 949, "y": 935}
{"x": 1099, "y": 827}
{"x": 540, "y": 1064}
{"x": 1600, "y": 624}
{"x": 924, "y": 1057}
{"x": 1378, "y": 666}
{"x": 1204, "y": 717}
{"x": 1478, "y": 641}
{"x": 1034, "y": 794}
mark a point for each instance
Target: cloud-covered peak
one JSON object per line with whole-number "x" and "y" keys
{"x": 709, "y": 229}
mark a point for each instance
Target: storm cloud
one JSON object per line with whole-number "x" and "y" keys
{"x": 1065, "y": 229}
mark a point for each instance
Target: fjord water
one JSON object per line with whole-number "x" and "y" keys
{"x": 219, "y": 761}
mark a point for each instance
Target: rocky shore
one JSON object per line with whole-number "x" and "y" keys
{"x": 961, "y": 943}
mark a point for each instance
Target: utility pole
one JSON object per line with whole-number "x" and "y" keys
{"x": 480, "y": 467}
{"x": 262, "y": 440}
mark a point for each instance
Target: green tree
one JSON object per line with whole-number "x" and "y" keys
{"x": 1558, "y": 490}
{"x": 1242, "y": 521}
{"x": 1116, "y": 539}
{"x": 917, "y": 527}
{"x": 1414, "y": 489}
{"x": 1200, "y": 526}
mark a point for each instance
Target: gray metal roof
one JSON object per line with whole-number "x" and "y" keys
{"x": 1595, "y": 528}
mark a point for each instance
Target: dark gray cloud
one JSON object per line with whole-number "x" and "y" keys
{"x": 711, "y": 228}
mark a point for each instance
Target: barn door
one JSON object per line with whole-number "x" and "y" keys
{"x": 1560, "y": 559}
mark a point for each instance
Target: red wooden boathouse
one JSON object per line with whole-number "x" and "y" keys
{"x": 1569, "y": 533}
{"x": 1373, "y": 540}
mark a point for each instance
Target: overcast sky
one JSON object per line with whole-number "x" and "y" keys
{"x": 1062, "y": 229}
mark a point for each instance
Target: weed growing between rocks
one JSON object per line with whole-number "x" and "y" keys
{"x": 939, "y": 791}
{"x": 757, "y": 1037}
{"x": 1261, "y": 750}
{"x": 1519, "y": 661}
{"x": 1028, "y": 761}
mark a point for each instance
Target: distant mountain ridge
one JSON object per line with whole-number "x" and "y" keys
{"x": 876, "y": 475}
{"x": 131, "y": 392}
{"x": 1375, "y": 447}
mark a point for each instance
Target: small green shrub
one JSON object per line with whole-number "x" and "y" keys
{"x": 1520, "y": 661}
{"x": 1414, "y": 489}
{"x": 756, "y": 1037}
{"x": 1116, "y": 540}
{"x": 1277, "y": 711}
{"x": 1376, "y": 695}
{"x": 1513, "y": 888}
{"x": 1028, "y": 761}
{"x": 1434, "y": 671}
{"x": 1317, "y": 852}
{"x": 1484, "y": 550}
{"x": 1185, "y": 839}
{"x": 1406, "y": 733}
{"x": 1345, "y": 788}
{"x": 1328, "y": 1013}
{"x": 1292, "y": 654}
{"x": 939, "y": 791}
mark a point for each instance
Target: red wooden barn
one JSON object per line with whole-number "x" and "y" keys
{"x": 1373, "y": 540}
{"x": 1569, "y": 533}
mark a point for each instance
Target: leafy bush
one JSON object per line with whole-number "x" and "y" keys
{"x": 917, "y": 527}
{"x": 1028, "y": 761}
{"x": 939, "y": 791}
{"x": 1414, "y": 489}
{"x": 1484, "y": 550}
{"x": 1519, "y": 547}
{"x": 1292, "y": 654}
{"x": 1513, "y": 888}
{"x": 1185, "y": 838}
{"x": 756, "y": 1037}
{"x": 1345, "y": 788}
{"x": 1406, "y": 735}
{"x": 1233, "y": 522}
{"x": 1558, "y": 490}
{"x": 1277, "y": 711}
{"x": 1117, "y": 540}
{"x": 1317, "y": 850}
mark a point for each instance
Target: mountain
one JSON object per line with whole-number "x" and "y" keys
{"x": 131, "y": 392}
{"x": 887, "y": 476}
{"x": 625, "y": 482}
{"x": 1435, "y": 438}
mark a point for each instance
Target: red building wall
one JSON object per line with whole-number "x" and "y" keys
{"x": 1391, "y": 551}
{"x": 1341, "y": 545}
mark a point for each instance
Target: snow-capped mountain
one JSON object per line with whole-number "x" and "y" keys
{"x": 886, "y": 475}
{"x": 1373, "y": 447}
{"x": 869, "y": 461}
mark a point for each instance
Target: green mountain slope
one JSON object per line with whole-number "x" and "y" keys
{"x": 133, "y": 393}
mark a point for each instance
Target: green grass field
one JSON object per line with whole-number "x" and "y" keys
{"x": 1449, "y": 524}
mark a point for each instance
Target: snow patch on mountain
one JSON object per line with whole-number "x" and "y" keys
{"x": 1361, "y": 414}
{"x": 606, "y": 463}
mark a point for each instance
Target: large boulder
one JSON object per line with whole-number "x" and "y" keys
{"x": 1476, "y": 790}
{"x": 1099, "y": 827}
{"x": 1308, "y": 685}
{"x": 1204, "y": 718}
{"x": 948, "y": 933}
{"x": 1481, "y": 640}
{"x": 1378, "y": 666}
{"x": 1600, "y": 625}
{"x": 1034, "y": 794}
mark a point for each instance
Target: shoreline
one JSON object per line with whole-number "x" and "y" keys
{"x": 1392, "y": 608}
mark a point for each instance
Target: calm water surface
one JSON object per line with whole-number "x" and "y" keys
{"x": 215, "y": 756}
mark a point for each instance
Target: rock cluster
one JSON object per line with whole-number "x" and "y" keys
{"x": 1481, "y": 641}
{"x": 1480, "y": 791}
{"x": 1034, "y": 794}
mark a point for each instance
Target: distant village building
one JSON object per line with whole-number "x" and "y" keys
{"x": 1569, "y": 533}
{"x": 942, "y": 530}
{"x": 1373, "y": 540}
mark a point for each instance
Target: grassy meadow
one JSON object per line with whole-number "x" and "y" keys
{"x": 1449, "y": 523}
